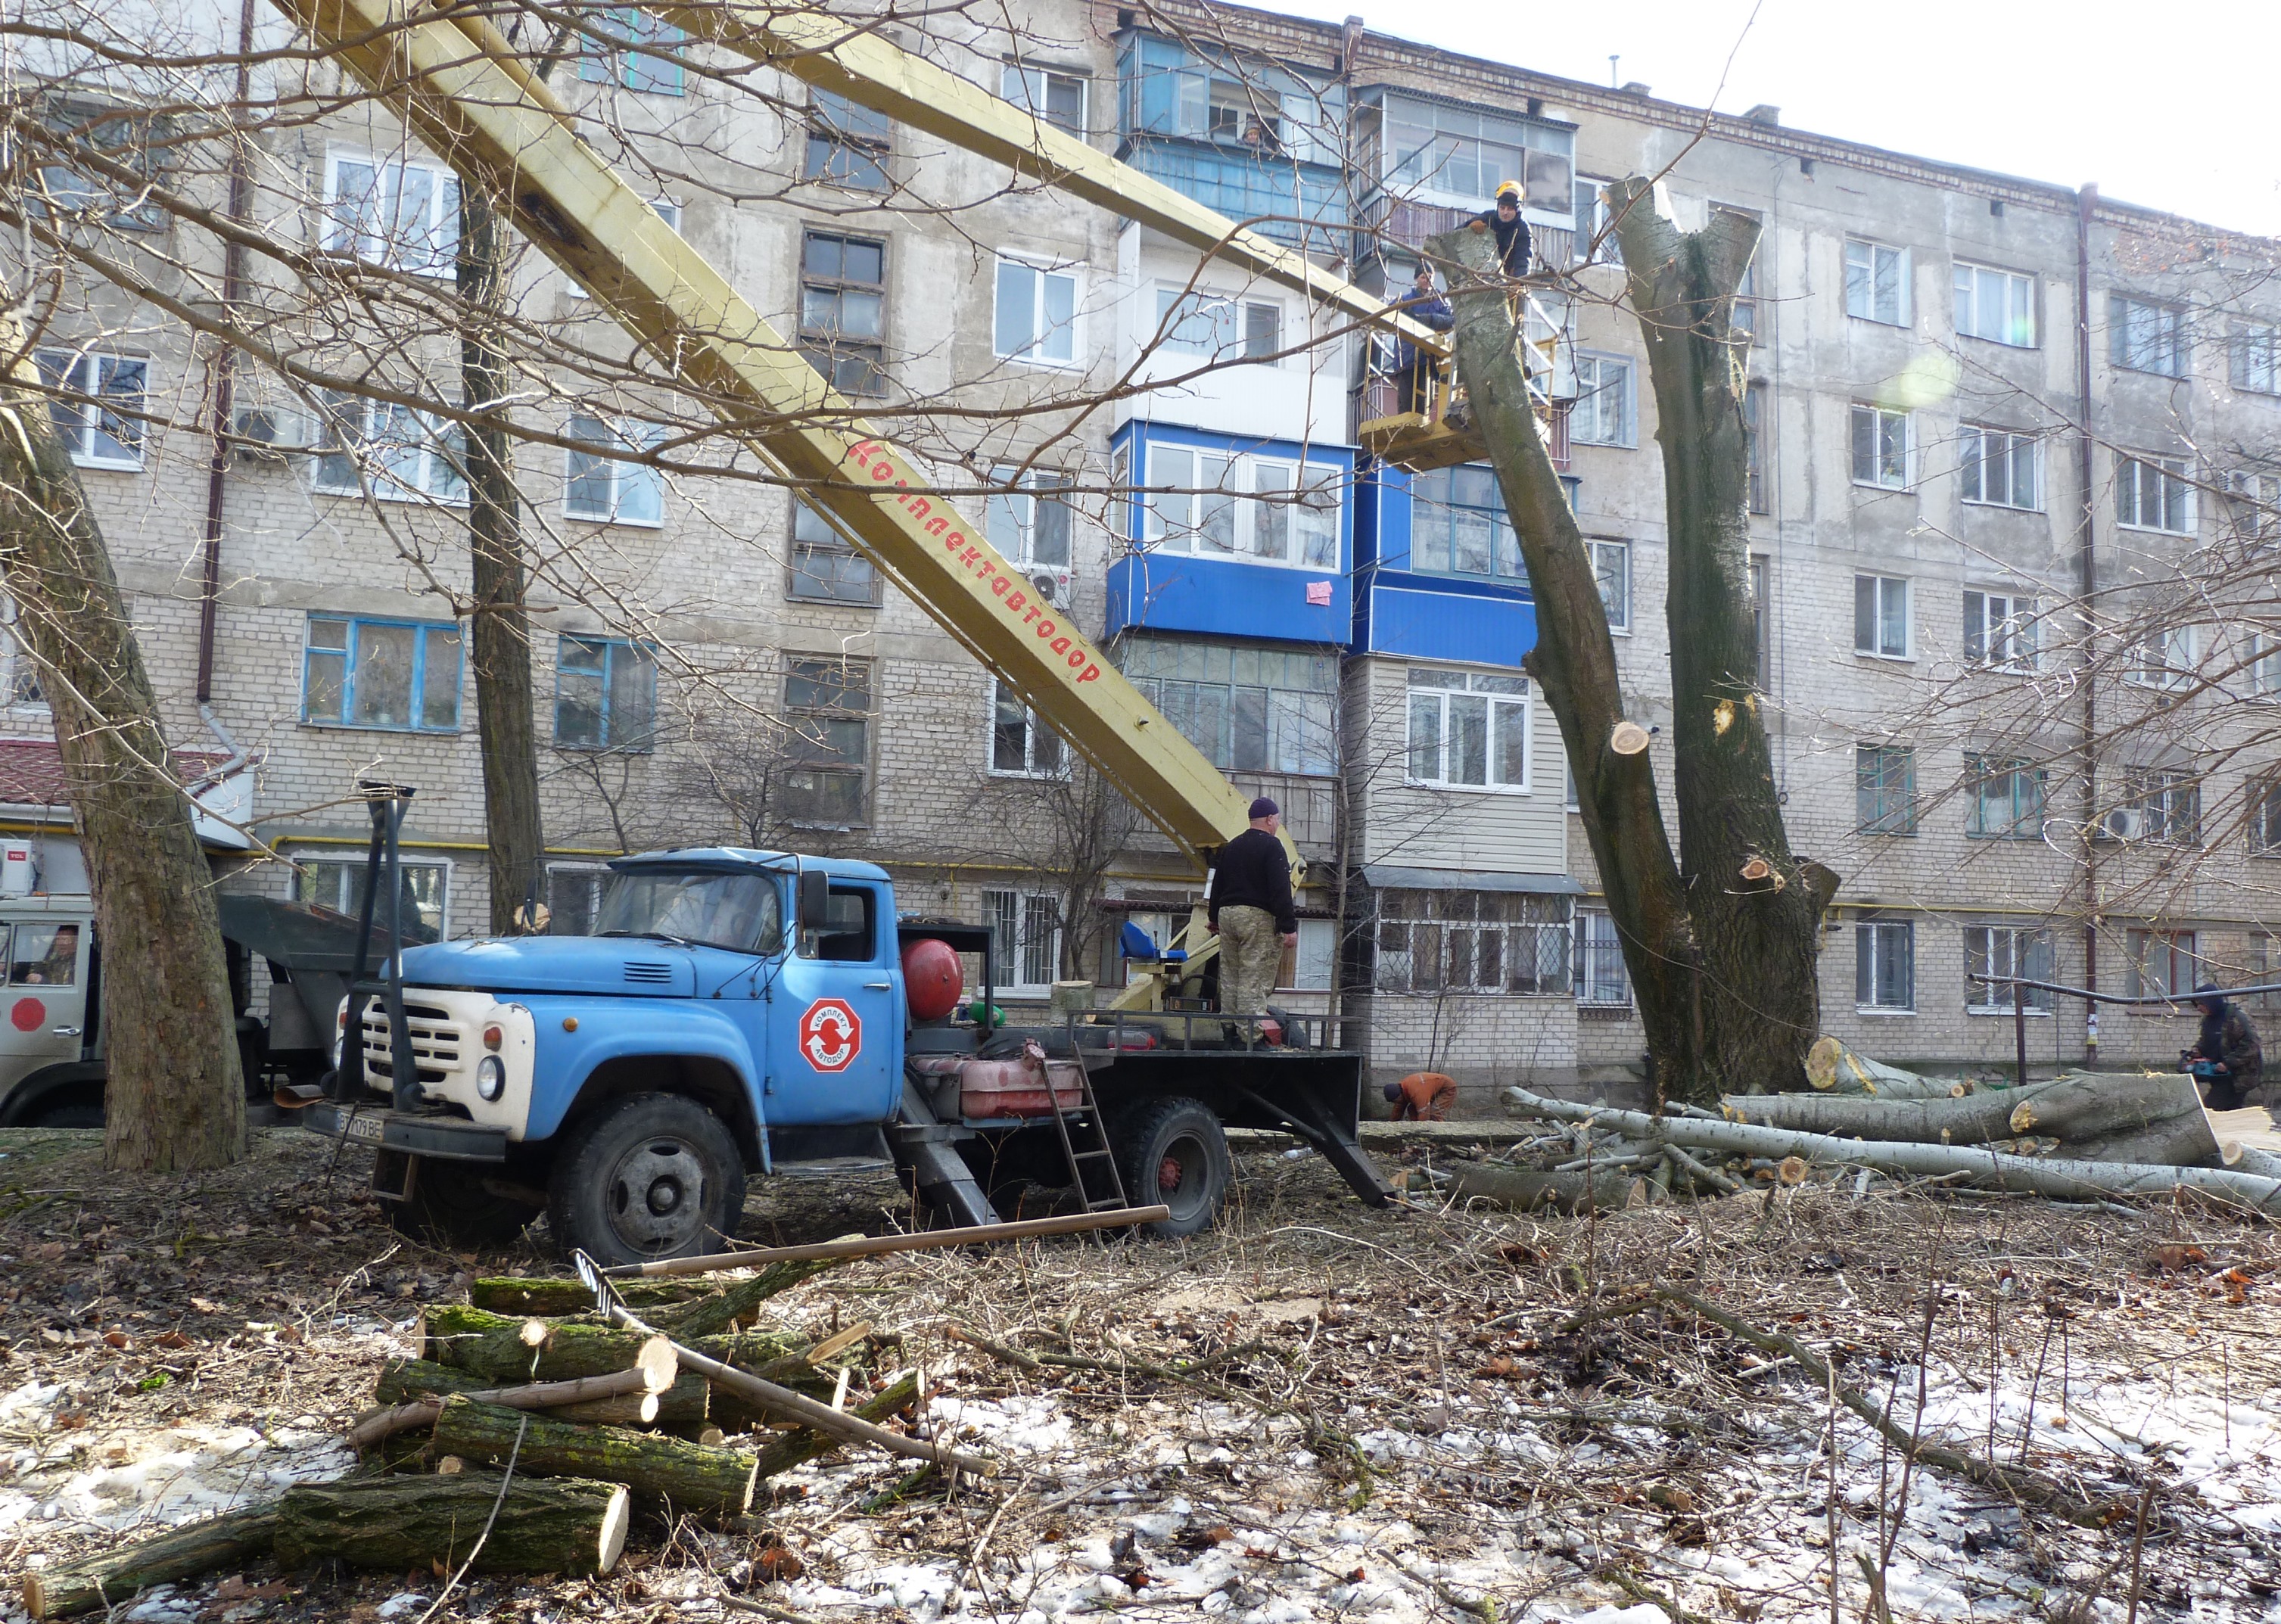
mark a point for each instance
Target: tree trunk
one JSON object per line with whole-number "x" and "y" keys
{"x": 690, "y": 1477}
{"x": 1574, "y": 663}
{"x": 1833, "y": 1068}
{"x": 491, "y": 1346}
{"x": 2085, "y": 1106}
{"x": 174, "y": 1098}
{"x": 499, "y": 636}
{"x": 1756, "y": 907}
{"x": 520, "y": 1296}
{"x": 403, "y": 1380}
{"x": 112, "y": 1576}
{"x": 545, "y": 1525}
{"x": 1525, "y": 1190}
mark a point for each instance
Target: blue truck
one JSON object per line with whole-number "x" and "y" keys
{"x": 738, "y": 1013}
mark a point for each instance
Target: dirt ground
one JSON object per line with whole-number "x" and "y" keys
{"x": 1317, "y": 1412}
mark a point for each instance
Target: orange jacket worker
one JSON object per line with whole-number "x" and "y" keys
{"x": 1422, "y": 1096}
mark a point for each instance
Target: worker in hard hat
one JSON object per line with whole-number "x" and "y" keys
{"x": 1504, "y": 218}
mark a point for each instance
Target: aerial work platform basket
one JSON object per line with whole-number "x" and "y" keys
{"x": 1434, "y": 429}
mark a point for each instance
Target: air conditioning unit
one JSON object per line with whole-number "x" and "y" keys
{"x": 264, "y": 434}
{"x": 1051, "y": 587}
{"x": 2237, "y": 482}
{"x": 2125, "y": 823}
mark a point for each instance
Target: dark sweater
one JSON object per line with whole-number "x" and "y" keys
{"x": 1512, "y": 241}
{"x": 1252, "y": 872}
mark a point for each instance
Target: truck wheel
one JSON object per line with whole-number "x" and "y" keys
{"x": 1173, "y": 1152}
{"x": 655, "y": 1175}
{"x": 449, "y": 1208}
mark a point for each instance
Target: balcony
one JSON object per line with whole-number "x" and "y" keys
{"x": 1301, "y": 205}
{"x": 1391, "y": 221}
{"x": 1310, "y": 806}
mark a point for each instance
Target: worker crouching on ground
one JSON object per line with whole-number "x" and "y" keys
{"x": 1423, "y": 1096}
{"x": 1411, "y": 365}
{"x": 2226, "y": 1057}
{"x": 1250, "y": 910}
{"x": 1512, "y": 231}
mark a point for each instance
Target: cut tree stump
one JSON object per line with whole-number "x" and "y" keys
{"x": 545, "y": 1525}
{"x": 112, "y": 1576}
{"x": 1525, "y": 1190}
{"x": 693, "y": 1477}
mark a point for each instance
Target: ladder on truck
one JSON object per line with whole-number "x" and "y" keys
{"x": 1106, "y": 1193}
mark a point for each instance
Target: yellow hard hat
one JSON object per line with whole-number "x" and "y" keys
{"x": 1514, "y": 187}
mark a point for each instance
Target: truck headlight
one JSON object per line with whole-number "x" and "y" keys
{"x": 491, "y": 1076}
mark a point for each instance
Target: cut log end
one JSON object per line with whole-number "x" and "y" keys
{"x": 658, "y": 1364}
{"x": 616, "y": 1519}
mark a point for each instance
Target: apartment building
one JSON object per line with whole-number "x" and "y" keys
{"x": 1167, "y": 449}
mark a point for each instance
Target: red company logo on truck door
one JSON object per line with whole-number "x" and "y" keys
{"x": 831, "y": 1035}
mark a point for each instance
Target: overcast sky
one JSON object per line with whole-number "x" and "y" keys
{"x": 2177, "y": 108}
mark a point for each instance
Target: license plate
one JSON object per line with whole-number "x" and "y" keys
{"x": 365, "y": 1130}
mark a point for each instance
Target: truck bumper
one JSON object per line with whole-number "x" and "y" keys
{"x": 446, "y": 1138}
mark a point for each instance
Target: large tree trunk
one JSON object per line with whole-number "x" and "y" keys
{"x": 114, "y": 1574}
{"x": 500, "y": 628}
{"x": 690, "y": 1477}
{"x": 1574, "y": 663}
{"x": 1757, "y": 907}
{"x": 562, "y": 1525}
{"x": 175, "y": 1099}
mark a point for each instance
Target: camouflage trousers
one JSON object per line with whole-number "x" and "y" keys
{"x": 1250, "y": 952}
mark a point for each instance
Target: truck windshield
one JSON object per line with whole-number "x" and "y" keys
{"x": 737, "y": 911}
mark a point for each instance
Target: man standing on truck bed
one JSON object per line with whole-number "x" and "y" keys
{"x": 1250, "y": 910}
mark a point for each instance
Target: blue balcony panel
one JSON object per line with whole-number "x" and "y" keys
{"x": 1176, "y": 591}
{"x": 1296, "y": 204}
{"x": 1438, "y": 618}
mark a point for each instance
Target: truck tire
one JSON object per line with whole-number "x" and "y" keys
{"x": 1173, "y": 1152}
{"x": 451, "y": 1208}
{"x": 652, "y": 1175}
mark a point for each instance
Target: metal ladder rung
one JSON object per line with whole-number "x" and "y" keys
{"x": 1088, "y": 1111}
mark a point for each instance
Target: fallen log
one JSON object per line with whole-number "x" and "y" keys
{"x": 522, "y": 1296}
{"x": 1970, "y": 1119}
{"x": 494, "y": 1345}
{"x": 640, "y": 1385}
{"x": 2087, "y": 1105}
{"x": 407, "y": 1380}
{"x": 723, "y": 1310}
{"x": 875, "y": 1246}
{"x": 695, "y": 1477}
{"x": 2083, "y": 1106}
{"x": 543, "y": 1525}
{"x": 112, "y": 1576}
{"x": 1830, "y": 1066}
{"x": 1987, "y": 1168}
{"x": 1525, "y": 1190}
{"x": 803, "y": 1444}
{"x": 2249, "y": 1159}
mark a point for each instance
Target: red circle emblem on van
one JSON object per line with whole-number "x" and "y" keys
{"x": 830, "y": 1035}
{"x": 27, "y": 1015}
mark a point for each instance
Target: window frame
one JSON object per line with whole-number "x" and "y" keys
{"x": 1624, "y": 432}
{"x": 1015, "y": 512}
{"x": 342, "y": 235}
{"x": 1880, "y": 614}
{"x": 2140, "y": 942}
{"x": 1757, "y": 393}
{"x": 2261, "y": 824}
{"x": 1428, "y": 920}
{"x": 2245, "y": 369}
{"x": 82, "y": 121}
{"x": 1491, "y": 516}
{"x": 1243, "y": 344}
{"x": 1003, "y": 700}
{"x": 1590, "y": 958}
{"x": 1870, "y": 954}
{"x": 1880, "y": 418}
{"x": 2016, "y": 630}
{"x": 1976, "y": 271}
{"x": 1904, "y": 274}
{"x": 568, "y": 872}
{"x": 828, "y": 349}
{"x": 1319, "y": 488}
{"x": 20, "y": 673}
{"x": 348, "y": 871}
{"x": 1040, "y": 270}
{"x": 2171, "y": 798}
{"x": 2127, "y": 354}
{"x": 630, "y": 434}
{"x": 1194, "y": 682}
{"x": 416, "y": 683}
{"x": 1874, "y": 808}
{"x": 1013, "y": 69}
{"x": 613, "y": 649}
{"x": 1593, "y": 218}
{"x": 1619, "y": 612}
{"x": 441, "y": 448}
{"x": 1996, "y": 998}
{"x": 616, "y": 58}
{"x": 822, "y": 760}
{"x": 82, "y": 423}
{"x": 1007, "y": 957}
{"x": 2169, "y": 660}
{"x": 835, "y": 125}
{"x": 2027, "y": 794}
{"x": 1494, "y": 701}
{"x": 2132, "y": 471}
{"x": 828, "y": 544}
{"x": 1975, "y": 455}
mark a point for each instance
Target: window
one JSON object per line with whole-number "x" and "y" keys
{"x": 1997, "y": 950}
{"x": 2265, "y": 816}
{"x": 2162, "y": 963}
{"x": 2170, "y": 798}
{"x": 2155, "y": 493}
{"x": 1472, "y": 941}
{"x": 43, "y": 954}
{"x": 1601, "y": 980}
{"x": 2264, "y": 667}
{"x": 1030, "y": 523}
{"x": 1051, "y": 94}
{"x": 1225, "y": 505}
{"x": 1461, "y": 154}
{"x": 125, "y": 138}
{"x": 631, "y": 48}
{"x": 848, "y": 145}
{"x": 406, "y": 455}
{"x": 843, "y": 306}
{"x": 1885, "y": 789}
{"x": 338, "y": 882}
{"x": 20, "y": 673}
{"x": 1877, "y": 282}
{"x": 2006, "y": 799}
{"x": 102, "y": 427}
{"x": 2000, "y": 630}
{"x": 574, "y": 892}
{"x": 1761, "y": 619}
{"x": 1458, "y": 526}
{"x": 605, "y": 694}
{"x": 1997, "y": 306}
{"x": 1248, "y": 707}
{"x": 1754, "y": 445}
{"x": 1612, "y": 564}
{"x": 601, "y": 487}
{"x": 387, "y": 212}
{"x": 2000, "y": 468}
{"x": 1603, "y": 413}
{"x": 2146, "y": 337}
{"x": 1595, "y": 235}
{"x": 1468, "y": 730}
{"x": 1202, "y": 323}
{"x": 825, "y": 568}
{"x": 828, "y": 707}
{"x": 2166, "y": 658}
{"x": 849, "y": 933}
{"x": 1881, "y": 616}
{"x": 1025, "y": 937}
{"x": 1880, "y": 447}
{"x": 1036, "y": 313}
{"x": 400, "y": 675}
{"x": 2254, "y": 498}
{"x": 1311, "y": 965}
{"x": 1885, "y": 965}
{"x": 2254, "y": 362}
{"x": 1020, "y": 741}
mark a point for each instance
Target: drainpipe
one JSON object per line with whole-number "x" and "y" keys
{"x": 225, "y": 364}
{"x": 2087, "y": 584}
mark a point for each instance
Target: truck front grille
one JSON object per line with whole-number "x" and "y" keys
{"x": 438, "y": 1042}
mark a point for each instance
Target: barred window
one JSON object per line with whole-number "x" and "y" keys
{"x": 1472, "y": 941}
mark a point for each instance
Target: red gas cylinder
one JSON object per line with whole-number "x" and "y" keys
{"x": 931, "y": 979}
